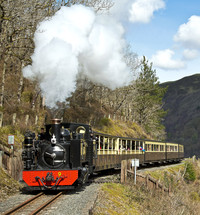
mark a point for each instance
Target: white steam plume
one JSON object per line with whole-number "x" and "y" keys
{"x": 76, "y": 39}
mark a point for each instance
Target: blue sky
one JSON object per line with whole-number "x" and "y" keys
{"x": 167, "y": 32}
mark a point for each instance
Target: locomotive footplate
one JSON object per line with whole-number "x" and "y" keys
{"x": 50, "y": 179}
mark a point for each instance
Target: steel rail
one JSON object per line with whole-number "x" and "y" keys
{"x": 22, "y": 204}
{"x": 46, "y": 204}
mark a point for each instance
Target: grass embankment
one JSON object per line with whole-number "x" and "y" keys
{"x": 120, "y": 128}
{"x": 138, "y": 199}
{"x": 114, "y": 199}
{"x": 8, "y": 186}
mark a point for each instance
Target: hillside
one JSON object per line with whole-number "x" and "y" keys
{"x": 182, "y": 121}
{"x": 116, "y": 198}
{"x": 121, "y": 128}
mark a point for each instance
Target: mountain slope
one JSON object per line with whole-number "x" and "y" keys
{"x": 182, "y": 121}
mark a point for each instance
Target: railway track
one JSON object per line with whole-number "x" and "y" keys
{"x": 34, "y": 205}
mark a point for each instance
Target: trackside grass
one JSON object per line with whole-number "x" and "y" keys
{"x": 184, "y": 180}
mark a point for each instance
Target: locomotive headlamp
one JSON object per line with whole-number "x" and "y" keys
{"x": 53, "y": 139}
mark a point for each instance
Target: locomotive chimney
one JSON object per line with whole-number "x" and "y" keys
{"x": 55, "y": 131}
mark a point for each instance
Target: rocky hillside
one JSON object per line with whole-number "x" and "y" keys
{"x": 182, "y": 121}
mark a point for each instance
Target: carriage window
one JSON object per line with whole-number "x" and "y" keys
{"x": 149, "y": 148}
{"x": 106, "y": 143}
{"x": 155, "y": 148}
{"x": 128, "y": 144}
{"x": 101, "y": 142}
{"x": 161, "y": 148}
{"x": 180, "y": 148}
{"x": 171, "y": 148}
{"x": 114, "y": 144}
{"x": 110, "y": 144}
{"x": 168, "y": 149}
{"x": 137, "y": 145}
{"x": 97, "y": 142}
{"x": 123, "y": 144}
{"x": 133, "y": 145}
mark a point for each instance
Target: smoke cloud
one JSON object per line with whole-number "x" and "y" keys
{"x": 77, "y": 40}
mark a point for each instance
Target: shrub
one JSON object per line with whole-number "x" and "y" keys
{"x": 190, "y": 174}
{"x": 105, "y": 122}
{"x": 195, "y": 196}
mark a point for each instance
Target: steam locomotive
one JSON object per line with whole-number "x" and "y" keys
{"x": 68, "y": 153}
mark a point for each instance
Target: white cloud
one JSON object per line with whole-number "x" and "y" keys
{"x": 163, "y": 60}
{"x": 142, "y": 10}
{"x": 136, "y": 10}
{"x": 190, "y": 54}
{"x": 120, "y": 9}
{"x": 189, "y": 33}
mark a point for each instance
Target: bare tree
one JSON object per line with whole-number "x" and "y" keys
{"x": 18, "y": 21}
{"x": 98, "y": 5}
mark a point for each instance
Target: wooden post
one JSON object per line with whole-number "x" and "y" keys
{"x": 125, "y": 179}
{"x": 123, "y": 171}
{"x": 129, "y": 164}
{"x": 14, "y": 118}
{"x": 1, "y": 118}
{"x": 10, "y": 165}
{"x": 26, "y": 119}
{"x": 13, "y": 167}
{"x": 36, "y": 119}
{"x": 147, "y": 180}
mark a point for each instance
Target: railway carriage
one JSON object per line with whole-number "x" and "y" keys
{"x": 69, "y": 152}
{"x": 112, "y": 150}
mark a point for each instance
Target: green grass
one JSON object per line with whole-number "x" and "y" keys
{"x": 115, "y": 198}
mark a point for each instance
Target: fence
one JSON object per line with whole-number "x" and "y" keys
{"x": 150, "y": 182}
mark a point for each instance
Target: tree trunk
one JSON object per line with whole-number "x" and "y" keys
{"x": 21, "y": 82}
{"x": 3, "y": 85}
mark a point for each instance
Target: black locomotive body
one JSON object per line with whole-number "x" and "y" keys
{"x": 61, "y": 158}
{"x": 67, "y": 153}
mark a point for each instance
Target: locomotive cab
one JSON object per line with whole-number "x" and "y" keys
{"x": 60, "y": 160}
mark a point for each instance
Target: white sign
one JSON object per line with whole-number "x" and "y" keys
{"x": 11, "y": 139}
{"x": 135, "y": 162}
